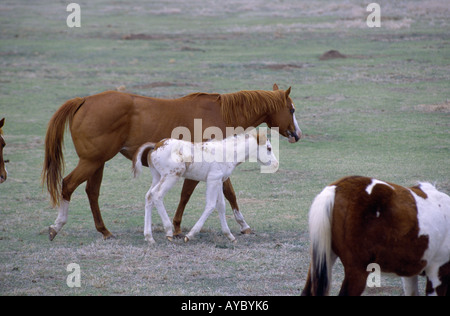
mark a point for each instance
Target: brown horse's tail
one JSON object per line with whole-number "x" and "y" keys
{"x": 53, "y": 170}
{"x": 320, "y": 218}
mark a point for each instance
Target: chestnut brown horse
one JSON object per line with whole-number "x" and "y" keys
{"x": 107, "y": 123}
{"x": 367, "y": 222}
{"x": 3, "y": 172}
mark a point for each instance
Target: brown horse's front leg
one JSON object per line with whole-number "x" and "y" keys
{"x": 230, "y": 195}
{"x": 186, "y": 192}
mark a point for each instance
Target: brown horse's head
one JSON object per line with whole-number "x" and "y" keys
{"x": 3, "y": 173}
{"x": 284, "y": 118}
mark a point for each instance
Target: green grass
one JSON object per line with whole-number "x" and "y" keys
{"x": 381, "y": 112}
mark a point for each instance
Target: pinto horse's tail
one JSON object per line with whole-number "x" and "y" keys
{"x": 140, "y": 158}
{"x": 320, "y": 216}
{"x": 53, "y": 170}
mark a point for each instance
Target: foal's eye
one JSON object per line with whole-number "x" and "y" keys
{"x": 269, "y": 149}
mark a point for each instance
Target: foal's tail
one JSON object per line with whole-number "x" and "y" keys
{"x": 53, "y": 170}
{"x": 140, "y": 158}
{"x": 320, "y": 216}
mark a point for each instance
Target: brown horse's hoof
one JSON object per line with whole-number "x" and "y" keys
{"x": 247, "y": 231}
{"x": 109, "y": 236}
{"x": 52, "y": 233}
{"x": 178, "y": 236}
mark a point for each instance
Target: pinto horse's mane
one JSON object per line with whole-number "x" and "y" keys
{"x": 249, "y": 103}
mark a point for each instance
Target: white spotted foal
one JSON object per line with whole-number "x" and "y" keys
{"x": 212, "y": 161}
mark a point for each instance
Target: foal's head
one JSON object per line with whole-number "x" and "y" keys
{"x": 285, "y": 119}
{"x": 3, "y": 173}
{"x": 266, "y": 155}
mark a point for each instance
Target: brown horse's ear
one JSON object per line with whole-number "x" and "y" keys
{"x": 275, "y": 87}
{"x": 288, "y": 91}
{"x": 2, "y": 122}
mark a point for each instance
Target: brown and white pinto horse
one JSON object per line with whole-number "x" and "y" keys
{"x": 107, "y": 123}
{"x": 406, "y": 231}
{"x": 3, "y": 172}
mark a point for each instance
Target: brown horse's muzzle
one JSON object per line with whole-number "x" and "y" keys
{"x": 294, "y": 136}
{"x": 3, "y": 172}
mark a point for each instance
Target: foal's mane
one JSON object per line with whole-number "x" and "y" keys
{"x": 249, "y": 103}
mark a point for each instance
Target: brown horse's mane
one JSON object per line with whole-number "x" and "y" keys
{"x": 249, "y": 103}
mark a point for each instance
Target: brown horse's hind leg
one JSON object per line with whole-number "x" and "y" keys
{"x": 80, "y": 174}
{"x": 93, "y": 192}
{"x": 230, "y": 195}
{"x": 186, "y": 192}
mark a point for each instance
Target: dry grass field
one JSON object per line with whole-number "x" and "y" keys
{"x": 381, "y": 111}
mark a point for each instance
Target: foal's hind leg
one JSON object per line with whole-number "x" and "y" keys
{"x": 186, "y": 192}
{"x": 157, "y": 197}
{"x": 93, "y": 192}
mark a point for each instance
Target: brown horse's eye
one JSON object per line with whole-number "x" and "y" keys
{"x": 292, "y": 111}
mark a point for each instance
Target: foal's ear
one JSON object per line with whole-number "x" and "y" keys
{"x": 2, "y": 122}
{"x": 288, "y": 91}
{"x": 275, "y": 87}
{"x": 261, "y": 138}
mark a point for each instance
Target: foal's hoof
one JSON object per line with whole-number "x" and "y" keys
{"x": 51, "y": 233}
{"x": 170, "y": 238}
{"x": 186, "y": 239}
{"x": 247, "y": 231}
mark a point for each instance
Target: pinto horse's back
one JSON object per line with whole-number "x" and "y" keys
{"x": 368, "y": 221}
{"x": 377, "y": 220}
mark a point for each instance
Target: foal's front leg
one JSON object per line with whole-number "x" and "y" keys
{"x": 223, "y": 220}
{"x": 213, "y": 187}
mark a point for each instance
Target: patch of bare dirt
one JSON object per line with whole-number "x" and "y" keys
{"x": 332, "y": 54}
{"x": 276, "y": 66}
{"x": 178, "y": 37}
{"x": 435, "y": 108}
